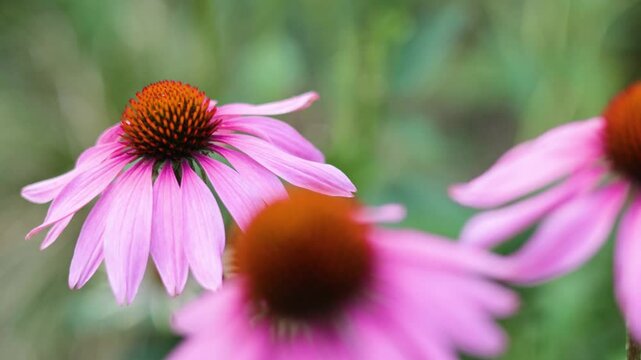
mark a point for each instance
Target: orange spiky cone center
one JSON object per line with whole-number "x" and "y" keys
{"x": 168, "y": 120}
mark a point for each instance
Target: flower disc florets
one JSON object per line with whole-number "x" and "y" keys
{"x": 623, "y": 132}
{"x": 168, "y": 120}
{"x": 305, "y": 257}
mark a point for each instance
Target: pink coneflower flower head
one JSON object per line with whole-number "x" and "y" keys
{"x": 151, "y": 173}
{"x": 315, "y": 279}
{"x": 586, "y": 170}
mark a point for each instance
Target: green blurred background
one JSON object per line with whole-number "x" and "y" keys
{"x": 415, "y": 95}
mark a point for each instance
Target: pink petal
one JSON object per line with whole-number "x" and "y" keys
{"x": 267, "y": 185}
{"x": 534, "y": 164}
{"x": 493, "y": 227}
{"x": 390, "y": 213}
{"x": 98, "y": 153}
{"x": 167, "y": 232}
{"x": 485, "y": 295}
{"x": 229, "y": 335}
{"x": 411, "y": 297}
{"x": 112, "y": 134}
{"x": 628, "y": 267}
{"x": 279, "y": 133}
{"x": 497, "y": 300}
{"x": 295, "y": 103}
{"x": 44, "y": 191}
{"x": 81, "y": 190}
{"x": 244, "y": 346}
{"x": 204, "y": 230}
{"x": 433, "y": 320}
{"x": 319, "y": 177}
{"x": 55, "y": 232}
{"x": 238, "y": 195}
{"x": 416, "y": 331}
{"x": 196, "y": 316}
{"x": 313, "y": 343}
{"x": 570, "y": 235}
{"x": 88, "y": 253}
{"x": 373, "y": 338}
{"x": 128, "y": 231}
{"x": 416, "y": 249}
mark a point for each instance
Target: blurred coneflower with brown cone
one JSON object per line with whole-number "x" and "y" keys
{"x": 316, "y": 279}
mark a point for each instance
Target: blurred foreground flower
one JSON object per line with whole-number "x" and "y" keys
{"x": 599, "y": 164}
{"x": 315, "y": 280}
{"x": 174, "y": 133}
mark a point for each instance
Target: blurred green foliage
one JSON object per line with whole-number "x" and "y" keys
{"x": 416, "y": 94}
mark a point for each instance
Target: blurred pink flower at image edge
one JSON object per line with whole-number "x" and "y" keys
{"x": 594, "y": 167}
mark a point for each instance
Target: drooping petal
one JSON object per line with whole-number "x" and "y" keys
{"x": 627, "y": 262}
{"x": 426, "y": 251}
{"x": 416, "y": 323}
{"x": 128, "y": 231}
{"x": 493, "y": 227}
{"x": 534, "y": 164}
{"x": 88, "y": 253}
{"x": 310, "y": 344}
{"x": 223, "y": 346}
{"x": 112, "y": 134}
{"x": 198, "y": 314}
{"x": 46, "y": 190}
{"x": 413, "y": 265}
{"x": 279, "y": 133}
{"x": 55, "y": 231}
{"x": 295, "y": 103}
{"x": 381, "y": 331}
{"x": 411, "y": 297}
{"x": 389, "y": 213}
{"x": 238, "y": 195}
{"x": 497, "y": 300}
{"x": 97, "y": 154}
{"x": 373, "y": 338}
{"x": 268, "y": 185}
{"x": 318, "y": 177}
{"x": 81, "y": 190}
{"x": 569, "y": 236}
{"x": 228, "y": 334}
{"x": 204, "y": 230}
{"x": 167, "y": 248}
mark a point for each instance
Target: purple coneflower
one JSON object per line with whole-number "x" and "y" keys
{"x": 594, "y": 166}
{"x": 175, "y": 134}
{"x": 314, "y": 279}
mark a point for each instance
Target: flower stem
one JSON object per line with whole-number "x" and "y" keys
{"x": 634, "y": 349}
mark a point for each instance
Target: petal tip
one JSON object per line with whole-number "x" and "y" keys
{"x": 73, "y": 284}
{"x": 33, "y": 232}
{"x": 456, "y": 192}
{"x": 24, "y": 193}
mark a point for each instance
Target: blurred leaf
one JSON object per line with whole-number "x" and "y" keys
{"x": 425, "y": 56}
